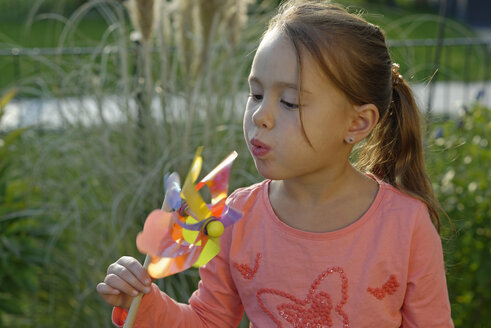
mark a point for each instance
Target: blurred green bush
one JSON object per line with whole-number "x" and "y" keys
{"x": 22, "y": 233}
{"x": 459, "y": 161}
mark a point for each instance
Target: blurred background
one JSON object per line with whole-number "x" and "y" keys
{"x": 99, "y": 98}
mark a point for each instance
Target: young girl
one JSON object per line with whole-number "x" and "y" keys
{"x": 321, "y": 243}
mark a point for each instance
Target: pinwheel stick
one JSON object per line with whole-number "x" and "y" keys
{"x": 135, "y": 303}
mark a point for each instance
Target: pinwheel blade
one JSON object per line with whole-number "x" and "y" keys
{"x": 217, "y": 179}
{"x": 192, "y": 225}
{"x": 211, "y": 248}
{"x": 196, "y": 204}
{"x": 192, "y": 236}
{"x": 163, "y": 240}
{"x": 156, "y": 232}
{"x": 162, "y": 237}
{"x": 172, "y": 185}
{"x": 229, "y": 216}
{"x": 162, "y": 267}
{"x": 195, "y": 169}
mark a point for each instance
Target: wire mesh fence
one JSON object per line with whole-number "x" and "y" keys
{"x": 445, "y": 74}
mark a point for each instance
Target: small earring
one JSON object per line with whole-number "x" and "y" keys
{"x": 350, "y": 140}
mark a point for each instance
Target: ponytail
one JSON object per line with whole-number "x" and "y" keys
{"x": 394, "y": 150}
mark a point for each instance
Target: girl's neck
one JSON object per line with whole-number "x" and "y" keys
{"x": 323, "y": 203}
{"x": 318, "y": 188}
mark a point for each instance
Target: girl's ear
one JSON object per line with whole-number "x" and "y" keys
{"x": 363, "y": 120}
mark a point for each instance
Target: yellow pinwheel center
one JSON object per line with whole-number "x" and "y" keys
{"x": 214, "y": 229}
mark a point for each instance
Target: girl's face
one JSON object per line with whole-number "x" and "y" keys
{"x": 272, "y": 126}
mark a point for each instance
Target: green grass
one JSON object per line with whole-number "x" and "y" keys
{"x": 19, "y": 9}
{"x": 46, "y": 33}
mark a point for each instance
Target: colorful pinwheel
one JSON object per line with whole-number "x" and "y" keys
{"x": 186, "y": 232}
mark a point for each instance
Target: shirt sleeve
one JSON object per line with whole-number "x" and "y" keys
{"x": 426, "y": 302}
{"x": 217, "y": 300}
{"x": 216, "y": 303}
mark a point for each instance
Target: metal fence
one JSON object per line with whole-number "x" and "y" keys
{"x": 443, "y": 72}
{"x": 452, "y": 72}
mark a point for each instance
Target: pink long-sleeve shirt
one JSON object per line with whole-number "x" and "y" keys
{"x": 384, "y": 270}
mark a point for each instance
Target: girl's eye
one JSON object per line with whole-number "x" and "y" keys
{"x": 289, "y": 105}
{"x": 255, "y": 97}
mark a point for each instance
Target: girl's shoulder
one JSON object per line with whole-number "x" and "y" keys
{"x": 254, "y": 191}
{"x": 245, "y": 198}
{"x": 405, "y": 208}
{"x": 397, "y": 197}
{"x": 388, "y": 194}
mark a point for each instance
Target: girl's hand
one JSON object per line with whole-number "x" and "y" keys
{"x": 124, "y": 280}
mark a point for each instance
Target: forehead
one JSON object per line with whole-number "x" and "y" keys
{"x": 276, "y": 63}
{"x": 275, "y": 59}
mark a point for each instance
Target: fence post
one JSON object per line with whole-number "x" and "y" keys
{"x": 16, "y": 60}
{"x": 441, "y": 34}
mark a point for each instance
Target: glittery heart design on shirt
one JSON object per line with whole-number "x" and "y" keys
{"x": 390, "y": 287}
{"x": 246, "y": 271}
{"x": 314, "y": 310}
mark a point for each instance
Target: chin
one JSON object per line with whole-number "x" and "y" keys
{"x": 268, "y": 173}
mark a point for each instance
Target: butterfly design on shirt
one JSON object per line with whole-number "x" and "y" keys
{"x": 314, "y": 310}
{"x": 389, "y": 288}
{"x": 246, "y": 271}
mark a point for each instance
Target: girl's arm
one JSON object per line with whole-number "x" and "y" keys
{"x": 426, "y": 303}
{"x": 215, "y": 303}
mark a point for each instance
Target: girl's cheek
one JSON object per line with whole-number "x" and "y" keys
{"x": 248, "y": 114}
{"x": 246, "y": 121}
{"x": 247, "y": 125}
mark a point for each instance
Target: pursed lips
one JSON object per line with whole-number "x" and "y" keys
{"x": 259, "y": 148}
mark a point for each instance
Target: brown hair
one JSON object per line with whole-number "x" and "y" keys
{"x": 353, "y": 54}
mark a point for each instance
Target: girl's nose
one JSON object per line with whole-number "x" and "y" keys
{"x": 263, "y": 116}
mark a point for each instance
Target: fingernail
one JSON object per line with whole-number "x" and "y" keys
{"x": 116, "y": 292}
{"x": 147, "y": 290}
{"x": 134, "y": 293}
{"x": 147, "y": 281}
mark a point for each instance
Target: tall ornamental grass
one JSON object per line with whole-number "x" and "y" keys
{"x": 161, "y": 86}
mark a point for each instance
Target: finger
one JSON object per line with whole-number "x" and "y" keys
{"x": 135, "y": 268}
{"x": 125, "y": 274}
{"x": 113, "y": 296}
{"x": 105, "y": 289}
{"x": 125, "y": 282}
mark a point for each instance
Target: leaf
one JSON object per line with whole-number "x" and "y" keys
{"x": 13, "y": 135}
{"x": 11, "y": 245}
{"x": 10, "y": 305}
{"x": 6, "y": 98}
